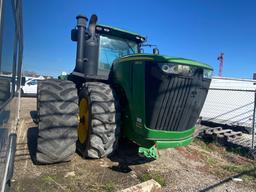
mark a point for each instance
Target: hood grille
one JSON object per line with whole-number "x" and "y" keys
{"x": 173, "y": 102}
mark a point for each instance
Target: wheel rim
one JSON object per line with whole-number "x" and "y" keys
{"x": 84, "y": 120}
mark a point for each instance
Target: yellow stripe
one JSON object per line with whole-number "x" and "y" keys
{"x": 135, "y": 58}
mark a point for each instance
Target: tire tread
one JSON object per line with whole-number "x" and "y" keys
{"x": 57, "y": 116}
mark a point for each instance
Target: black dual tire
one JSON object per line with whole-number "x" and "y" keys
{"x": 22, "y": 93}
{"x": 104, "y": 120}
{"x": 5, "y": 91}
{"x": 57, "y": 105}
{"x": 58, "y": 121}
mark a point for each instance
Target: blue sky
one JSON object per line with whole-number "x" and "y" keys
{"x": 194, "y": 29}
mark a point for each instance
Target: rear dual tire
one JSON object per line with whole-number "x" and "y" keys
{"x": 58, "y": 121}
{"x": 5, "y": 90}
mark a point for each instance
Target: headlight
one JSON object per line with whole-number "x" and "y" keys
{"x": 207, "y": 74}
{"x": 172, "y": 68}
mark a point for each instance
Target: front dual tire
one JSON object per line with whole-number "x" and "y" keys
{"x": 101, "y": 121}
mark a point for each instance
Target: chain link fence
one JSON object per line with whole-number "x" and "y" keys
{"x": 231, "y": 102}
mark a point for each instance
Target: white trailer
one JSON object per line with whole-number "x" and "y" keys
{"x": 230, "y": 101}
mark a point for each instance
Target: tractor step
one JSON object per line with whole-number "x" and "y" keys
{"x": 150, "y": 153}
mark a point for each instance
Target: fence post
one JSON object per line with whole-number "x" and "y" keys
{"x": 254, "y": 114}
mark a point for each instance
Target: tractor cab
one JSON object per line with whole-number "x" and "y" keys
{"x": 115, "y": 43}
{"x": 99, "y": 45}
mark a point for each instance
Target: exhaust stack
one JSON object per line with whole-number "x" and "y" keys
{"x": 87, "y": 47}
{"x": 80, "y": 38}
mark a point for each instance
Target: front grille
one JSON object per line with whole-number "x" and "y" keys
{"x": 173, "y": 102}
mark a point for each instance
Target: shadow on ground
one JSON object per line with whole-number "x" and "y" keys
{"x": 34, "y": 116}
{"x": 32, "y": 135}
{"x": 127, "y": 155}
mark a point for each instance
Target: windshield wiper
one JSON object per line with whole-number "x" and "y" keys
{"x": 130, "y": 47}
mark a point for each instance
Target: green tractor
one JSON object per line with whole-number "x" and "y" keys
{"x": 117, "y": 91}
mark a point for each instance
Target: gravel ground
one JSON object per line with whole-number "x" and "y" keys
{"x": 192, "y": 168}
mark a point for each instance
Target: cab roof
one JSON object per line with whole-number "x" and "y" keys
{"x": 108, "y": 30}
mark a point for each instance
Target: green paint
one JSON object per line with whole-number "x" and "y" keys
{"x": 149, "y": 152}
{"x": 152, "y": 134}
{"x": 173, "y": 144}
{"x": 120, "y": 33}
{"x": 164, "y": 59}
{"x": 128, "y": 77}
{"x": 120, "y": 30}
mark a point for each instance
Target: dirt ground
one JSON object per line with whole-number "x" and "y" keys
{"x": 197, "y": 167}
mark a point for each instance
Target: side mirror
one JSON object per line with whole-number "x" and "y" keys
{"x": 74, "y": 34}
{"x": 156, "y": 51}
{"x": 141, "y": 50}
{"x": 29, "y": 83}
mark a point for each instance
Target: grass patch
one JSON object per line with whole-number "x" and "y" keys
{"x": 248, "y": 169}
{"x": 247, "y": 172}
{"x": 211, "y": 161}
{"x": 49, "y": 179}
{"x": 152, "y": 175}
{"x": 212, "y": 145}
{"x": 109, "y": 187}
{"x": 206, "y": 145}
{"x": 239, "y": 150}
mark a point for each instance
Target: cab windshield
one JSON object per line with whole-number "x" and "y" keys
{"x": 112, "y": 48}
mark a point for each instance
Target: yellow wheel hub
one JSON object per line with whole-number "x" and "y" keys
{"x": 84, "y": 120}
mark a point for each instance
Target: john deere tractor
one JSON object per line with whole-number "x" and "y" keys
{"x": 117, "y": 91}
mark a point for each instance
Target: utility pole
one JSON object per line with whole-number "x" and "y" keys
{"x": 221, "y": 60}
